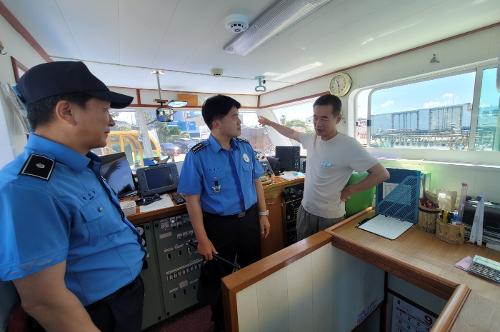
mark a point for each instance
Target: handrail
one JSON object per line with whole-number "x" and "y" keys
{"x": 451, "y": 310}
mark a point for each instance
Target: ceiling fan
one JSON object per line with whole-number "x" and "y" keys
{"x": 165, "y": 112}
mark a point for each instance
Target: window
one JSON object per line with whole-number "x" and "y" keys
{"x": 488, "y": 119}
{"x": 298, "y": 117}
{"x": 432, "y": 114}
{"x": 136, "y": 132}
{"x": 255, "y": 133}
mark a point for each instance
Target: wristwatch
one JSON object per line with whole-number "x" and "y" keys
{"x": 264, "y": 213}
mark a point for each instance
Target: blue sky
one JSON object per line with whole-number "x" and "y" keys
{"x": 451, "y": 90}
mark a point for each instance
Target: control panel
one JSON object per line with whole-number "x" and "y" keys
{"x": 179, "y": 263}
{"x": 292, "y": 199}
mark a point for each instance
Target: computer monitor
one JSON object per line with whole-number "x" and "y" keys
{"x": 157, "y": 179}
{"x": 116, "y": 170}
{"x": 289, "y": 158}
{"x": 274, "y": 163}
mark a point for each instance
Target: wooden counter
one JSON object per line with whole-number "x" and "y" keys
{"x": 141, "y": 218}
{"x": 424, "y": 260}
{"x": 271, "y": 191}
{"x": 418, "y": 257}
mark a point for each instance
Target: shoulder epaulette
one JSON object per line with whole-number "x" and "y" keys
{"x": 242, "y": 140}
{"x": 198, "y": 147}
{"x": 38, "y": 166}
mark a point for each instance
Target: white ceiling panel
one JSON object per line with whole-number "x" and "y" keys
{"x": 143, "y": 43}
{"x": 95, "y": 27}
{"x": 138, "y": 77}
{"x": 198, "y": 34}
{"x": 187, "y": 36}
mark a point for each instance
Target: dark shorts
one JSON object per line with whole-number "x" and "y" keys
{"x": 309, "y": 224}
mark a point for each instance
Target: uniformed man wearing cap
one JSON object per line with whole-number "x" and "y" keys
{"x": 224, "y": 196}
{"x": 72, "y": 255}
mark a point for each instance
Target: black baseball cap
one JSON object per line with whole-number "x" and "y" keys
{"x": 64, "y": 77}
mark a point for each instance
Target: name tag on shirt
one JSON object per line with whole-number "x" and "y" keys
{"x": 326, "y": 164}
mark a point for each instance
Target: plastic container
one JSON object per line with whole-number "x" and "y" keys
{"x": 427, "y": 219}
{"x": 128, "y": 207}
{"x": 454, "y": 234}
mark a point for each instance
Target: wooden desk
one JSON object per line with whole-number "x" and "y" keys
{"x": 271, "y": 191}
{"x": 427, "y": 262}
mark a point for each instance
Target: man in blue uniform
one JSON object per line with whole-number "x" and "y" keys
{"x": 65, "y": 243}
{"x": 224, "y": 196}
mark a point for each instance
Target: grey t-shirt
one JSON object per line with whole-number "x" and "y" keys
{"x": 329, "y": 166}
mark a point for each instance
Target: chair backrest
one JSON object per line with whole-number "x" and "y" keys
{"x": 358, "y": 201}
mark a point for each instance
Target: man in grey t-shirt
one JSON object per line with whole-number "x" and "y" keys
{"x": 331, "y": 159}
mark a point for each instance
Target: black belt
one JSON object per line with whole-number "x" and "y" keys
{"x": 117, "y": 293}
{"x": 231, "y": 216}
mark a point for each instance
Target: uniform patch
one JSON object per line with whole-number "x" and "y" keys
{"x": 38, "y": 166}
{"x": 198, "y": 147}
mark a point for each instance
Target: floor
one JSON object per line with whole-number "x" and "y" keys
{"x": 196, "y": 319}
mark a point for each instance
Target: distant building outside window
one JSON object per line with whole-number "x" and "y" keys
{"x": 431, "y": 114}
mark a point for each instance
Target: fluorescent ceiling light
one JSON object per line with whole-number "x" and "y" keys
{"x": 366, "y": 41}
{"x": 270, "y": 74}
{"x": 177, "y": 103}
{"x": 276, "y": 18}
{"x": 299, "y": 70}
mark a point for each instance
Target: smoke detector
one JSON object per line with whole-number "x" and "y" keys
{"x": 216, "y": 71}
{"x": 236, "y": 23}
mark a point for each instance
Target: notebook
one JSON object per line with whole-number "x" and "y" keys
{"x": 388, "y": 227}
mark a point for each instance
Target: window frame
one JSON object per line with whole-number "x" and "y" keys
{"x": 468, "y": 156}
{"x": 18, "y": 68}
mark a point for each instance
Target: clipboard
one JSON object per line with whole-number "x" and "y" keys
{"x": 387, "y": 227}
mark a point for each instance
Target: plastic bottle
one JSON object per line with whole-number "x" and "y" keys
{"x": 463, "y": 195}
{"x": 476, "y": 234}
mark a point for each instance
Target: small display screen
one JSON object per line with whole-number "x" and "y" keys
{"x": 158, "y": 177}
{"x": 116, "y": 170}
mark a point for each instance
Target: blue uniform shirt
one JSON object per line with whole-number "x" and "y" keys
{"x": 224, "y": 179}
{"x": 69, "y": 214}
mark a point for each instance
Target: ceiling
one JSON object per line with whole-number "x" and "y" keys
{"x": 123, "y": 40}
